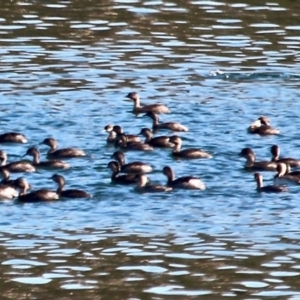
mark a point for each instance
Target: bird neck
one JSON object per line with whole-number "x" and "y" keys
{"x": 137, "y": 103}
{"x": 250, "y": 159}
{"x": 259, "y": 182}
{"x": 36, "y": 158}
{"x": 177, "y": 147}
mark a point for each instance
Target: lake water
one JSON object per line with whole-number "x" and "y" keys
{"x": 66, "y": 67}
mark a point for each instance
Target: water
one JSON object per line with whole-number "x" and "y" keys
{"x": 66, "y": 67}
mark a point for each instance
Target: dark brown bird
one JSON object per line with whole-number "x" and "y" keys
{"x": 157, "y": 108}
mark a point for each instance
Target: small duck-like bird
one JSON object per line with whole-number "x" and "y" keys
{"x": 262, "y": 126}
{"x": 61, "y": 153}
{"x": 8, "y": 187}
{"x": 135, "y": 167}
{"x": 186, "y": 153}
{"x": 111, "y": 134}
{"x": 13, "y": 137}
{"x": 49, "y": 164}
{"x": 158, "y": 141}
{"x": 269, "y": 188}
{"x": 252, "y": 165}
{"x": 130, "y": 137}
{"x": 42, "y": 195}
{"x": 125, "y": 179}
{"x": 186, "y": 182}
{"x": 70, "y": 193}
{"x": 156, "y": 108}
{"x": 143, "y": 187}
{"x": 275, "y": 151}
{"x": 17, "y": 166}
{"x": 168, "y": 125}
{"x": 122, "y": 142}
{"x": 6, "y": 178}
{"x": 284, "y": 177}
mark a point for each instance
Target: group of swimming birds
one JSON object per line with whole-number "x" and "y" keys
{"x": 282, "y": 166}
{"x": 17, "y": 188}
{"x": 125, "y": 142}
{"x": 135, "y": 172}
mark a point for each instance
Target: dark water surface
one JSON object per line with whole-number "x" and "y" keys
{"x": 65, "y": 69}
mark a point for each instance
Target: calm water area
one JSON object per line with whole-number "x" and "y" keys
{"x": 65, "y": 69}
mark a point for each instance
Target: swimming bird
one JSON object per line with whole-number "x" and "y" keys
{"x": 186, "y": 182}
{"x": 130, "y": 137}
{"x": 49, "y": 164}
{"x": 186, "y": 153}
{"x": 269, "y": 188}
{"x": 6, "y": 178}
{"x": 158, "y": 141}
{"x": 275, "y": 151}
{"x": 252, "y": 165}
{"x": 120, "y": 179}
{"x": 70, "y": 193}
{"x": 8, "y": 187}
{"x": 17, "y": 166}
{"x": 142, "y": 186}
{"x": 111, "y": 134}
{"x": 135, "y": 167}
{"x": 13, "y": 137}
{"x": 167, "y": 125}
{"x": 61, "y": 153}
{"x": 41, "y": 195}
{"x": 156, "y": 108}
{"x": 284, "y": 177}
{"x": 262, "y": 127}
{"x": 122, "y": 142}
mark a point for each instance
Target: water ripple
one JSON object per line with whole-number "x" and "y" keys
{"x": 66, "y": 68}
